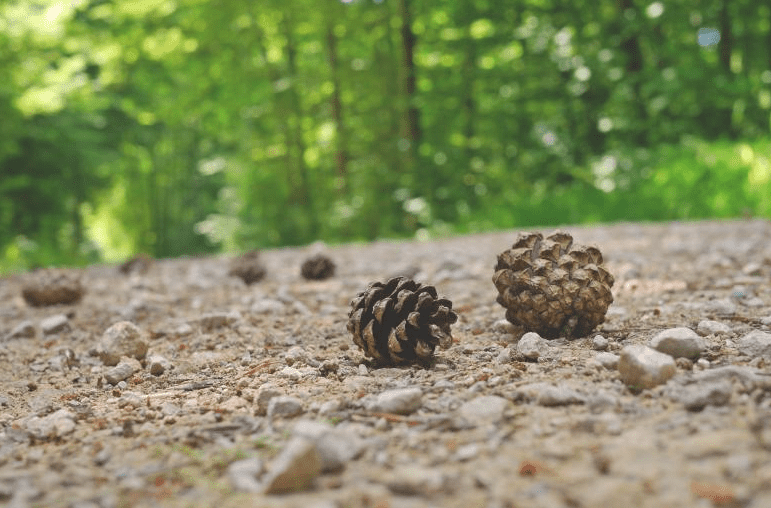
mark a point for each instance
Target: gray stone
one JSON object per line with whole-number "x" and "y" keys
{"x": 284, "y": 406}
{"x": 402, "y": 401}
{"x": 678, "y": 342}
{"x": 504, "y": 356}
{"x": 532, "y": 346}
{"x": 559, "y": 396}
{"x": 696, "y": 397}
{"x": 120, "y": 372}
{"x": 335, "y": 446}
{"x": 23, "y": 330}
{"x": 213, "y": 321}
{"x": 122, "y": 339}
{"x": 708, "y": 327}
{"x": 642, "y": 367}
{"x": 243, "y": 474}
{"x": 483, "y": 410}
{"x": 722, "y": 306}
{"x": 57, "y": 424}
{"x": 599, "y": 343}
{"x": 55, "y": 324}
{"x": 607, "y": 360}
{"x": 755, "y": 343}
{"x": 264, "y": 395}
{"x": 295, "y": 469}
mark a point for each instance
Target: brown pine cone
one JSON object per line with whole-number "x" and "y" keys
{"x": 552, "y": 287}
{"x": 318, "y": 267}
{"x": 400, "y": 321}
{"x": 248, "y": 267}
{"x": 52, "y": 287}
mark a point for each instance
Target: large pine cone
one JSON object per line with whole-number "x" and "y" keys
{"x": 400, "y": 321}
{"x": 552, "y": 287}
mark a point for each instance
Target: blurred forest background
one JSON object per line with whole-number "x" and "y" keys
{"x": 177, "y": 127}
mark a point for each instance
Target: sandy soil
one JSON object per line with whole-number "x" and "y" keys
{"x": 257, "y": 396}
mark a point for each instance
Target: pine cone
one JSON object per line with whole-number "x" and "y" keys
{"x": 552, "y": 287}
{"x": 318, "y": 267}
{"x": 400, "y": 321}
{"x": 140, "y": 263}
{"x": 52, "y": 287}
{"x": 248, "y": 267}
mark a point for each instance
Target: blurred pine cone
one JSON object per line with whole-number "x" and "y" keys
{"x": 318, "y": 267}
{"x": 140, "y": 263}
{"x": 400, "y": 321}
{"x": 52, "y": 287}
{"x": 552, "y": 287}
{"x": 248, "y": 267}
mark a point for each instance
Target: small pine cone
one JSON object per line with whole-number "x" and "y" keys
{"x": 139, "y": 263}
{"x": 318, "y": 267}
{"x": 400, "y": 321}
{"x": 248, "y": 267}
{"x": 552, "y": 287}
{"x": 52, "y": 287}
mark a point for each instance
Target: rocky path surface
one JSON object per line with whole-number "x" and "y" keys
{"x": 181, "y": 386}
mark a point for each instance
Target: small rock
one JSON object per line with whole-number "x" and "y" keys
{"x": 124, "y": 370}
{"x": 721, "y": 306}
{"x": 697, "y": 397}
{"x": 642, "y": 367}
{"x": 708, "y": 327}
{"x": 402, "y": 401}
{"x": 416, "y": 480}
{"x": 504, "y": 326}
{"x": 243, "y": 474}
{"x": 599, "y": 343}
{"x": 158, "y": 364}
{"x": 755, "y": 343}
{"x": 607, "y": 360}
{"x": 295, "y": 469}
{"x": 467, "y": 452}
{"x": 264, "y": 394}
{"x": 753, "y": 302}
{"x": 57, "y": 424}
{"x": 290, "y": 373}
{"x": 678, "y": 342}
{"x": 752, "y": 268}
{"x": 210, "y": 322}
{"x": 267, "y": 306}
{"x": 336, "y": 447}
{"x": 559, "y": 396}
{"x": 532, "y": 346}
{"x": 122, "y": 339}
{"x": 284, "y": 406}
{"x": 54, "y": 324}
{"x": 504, "y": 356}
{"x": 295, "y": 354}
{"x": 483, "y": 410}
{"x": 23, "y": 330}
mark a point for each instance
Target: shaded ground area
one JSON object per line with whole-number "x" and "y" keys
{"x": 257, "y": 394}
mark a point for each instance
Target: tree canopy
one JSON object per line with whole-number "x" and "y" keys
{"x": 185, "y": 126}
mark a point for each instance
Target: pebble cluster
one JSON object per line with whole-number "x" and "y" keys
{"x": 181, "y": 385}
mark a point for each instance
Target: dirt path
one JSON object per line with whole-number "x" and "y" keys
{"x": 249, "y": 391}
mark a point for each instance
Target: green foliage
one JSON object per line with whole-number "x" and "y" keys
{"x": 191, "y": 127}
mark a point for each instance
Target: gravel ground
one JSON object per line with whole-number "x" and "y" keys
{"x": 181, "y": 386}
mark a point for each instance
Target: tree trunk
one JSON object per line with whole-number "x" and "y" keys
{"x": 411, "y": 121}
{"x": 341, "y": 139}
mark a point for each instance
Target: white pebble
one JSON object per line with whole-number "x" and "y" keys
{"x": 532, "y": 346}
{"x": 678, "y": 342}
{"x": 402, "y": 401}
{"x": 599, "y": 343}
{"x": 642, "y": 367}
{"x": 755, "y": 343}
{"x": 607, "y": 360}
{"x": 709, "y": 327}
